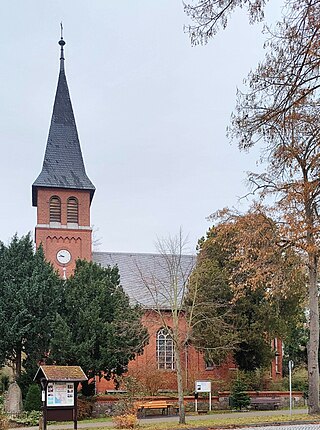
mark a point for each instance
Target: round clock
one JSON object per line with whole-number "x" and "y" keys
{"x": 63, "y": 256}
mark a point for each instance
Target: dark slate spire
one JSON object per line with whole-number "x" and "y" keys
{"x": 63, "y": 165}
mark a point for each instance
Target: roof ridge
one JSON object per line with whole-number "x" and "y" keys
{"x": 137, "y": 253}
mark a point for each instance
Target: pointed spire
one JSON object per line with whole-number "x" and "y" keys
{"x": 63, "y": 165}
{"x": 61, "y": 43}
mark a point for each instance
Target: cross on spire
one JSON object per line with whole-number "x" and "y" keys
{"x": 61, "y": 43}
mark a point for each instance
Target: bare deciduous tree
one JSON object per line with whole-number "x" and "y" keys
{"x": 168, "y": 289}
{"x": 296, "y": 40}
{"x": 209, "y": 16}
{"x": 280, "y": 111}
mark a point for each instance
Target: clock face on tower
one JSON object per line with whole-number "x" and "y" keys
{"x": 63, "y": 256}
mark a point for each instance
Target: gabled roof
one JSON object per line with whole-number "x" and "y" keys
{"x": 147, "y": 278}
{"x": 63, "y": 165}
{"x": 61, "y": 373}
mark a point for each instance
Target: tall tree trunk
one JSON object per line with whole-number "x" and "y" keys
{"x": 17, "y": 364}
{"x": 313, "y": 345}
{"x": 182, "y": 412}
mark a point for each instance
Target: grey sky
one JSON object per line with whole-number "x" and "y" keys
{"x": 151, "y": 113}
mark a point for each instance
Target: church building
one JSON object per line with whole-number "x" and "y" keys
{"x": 62, "y": 194}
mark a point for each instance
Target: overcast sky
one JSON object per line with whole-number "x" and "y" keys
{"x": 151, "y": 113}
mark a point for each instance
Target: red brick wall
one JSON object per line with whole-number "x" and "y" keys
{"x": 44, "y": 195}
{"x": 144, "y": 367}
{"x": 276, "y": 364}
{"x": 78, "y": 241}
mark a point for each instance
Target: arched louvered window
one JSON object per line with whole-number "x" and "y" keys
{"x": 55, "y": 209}
{"x": 165, "y": 349}
{"x": 72, "y": 210}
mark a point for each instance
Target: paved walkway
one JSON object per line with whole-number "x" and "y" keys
{"x": 287, "y": 427}
{"x": 174, "y": 418}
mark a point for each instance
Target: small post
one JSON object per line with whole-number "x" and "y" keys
{"x": 290, "y": 364}
{"x": 210, "y": 402}
{"x": 75, "y": 409}
{"x": 43, "y": 422}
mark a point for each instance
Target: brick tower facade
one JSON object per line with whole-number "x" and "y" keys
{"x": 63, "y": 192}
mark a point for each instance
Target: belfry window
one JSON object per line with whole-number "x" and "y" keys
{"x": 72, "y": 210}
{"x": 165, "y": 349}
{"x": 55, "y": 209}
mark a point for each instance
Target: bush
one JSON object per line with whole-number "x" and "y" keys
{"x": 126, "y": 421}
{"x": 299, "y": 381}
{"x": 125, "y": 414}
{"x": 255, "y": 380}
{"x": 1, "y": 404}
{"x": 125, "y": 406}
{"x": 3, "y": 422}
{"x": 239, "y": 398}
{"x": 29, "y": 418}
{"x": 33, "y": 399}
{"x": 84, "y": 409}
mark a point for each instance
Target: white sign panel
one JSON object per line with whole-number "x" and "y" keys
{"x": 203, "y": 387}
{"x": 60, "y": 394}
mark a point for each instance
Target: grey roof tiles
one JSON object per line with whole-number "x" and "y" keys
{"x": 63, "y": 165}
{"x": 147, "y": 278}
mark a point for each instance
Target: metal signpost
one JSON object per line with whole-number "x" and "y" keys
{"x": 290, "y": 364}
{"x": 202, "y": 387}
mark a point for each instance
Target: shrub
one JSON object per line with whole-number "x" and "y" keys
{"x": 33, "y": 399}
{"x": 125, "y": 406}
{"x": 255, "y": 380}
{"x": 3, "y": 422}
{"x": 1, "y": 404}
{"x": 239, "y": 398}
{"x": 126, "y": 421}
{"x": 84, "y": 409}
{"x": 299, "y": 381}
{"x": 29, "y": 418}
{"x": 125, "y": 414}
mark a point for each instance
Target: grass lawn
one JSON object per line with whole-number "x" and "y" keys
{"x": 213, "y": 422}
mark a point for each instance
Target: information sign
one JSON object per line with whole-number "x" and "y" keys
{"x": 60, "y": 394}
{"x": 203, "y": 387}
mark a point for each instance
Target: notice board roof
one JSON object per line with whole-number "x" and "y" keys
{"x": 61, "y": 373}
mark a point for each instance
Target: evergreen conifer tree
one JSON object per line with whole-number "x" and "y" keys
{"x": 239, "y": 399}
{"x": 97, "y": 328}
{"x": 29, "y": 300}
{"x": 33, "y": 398}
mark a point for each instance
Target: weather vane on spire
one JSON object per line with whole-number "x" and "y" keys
{"x": 61, "y": 43}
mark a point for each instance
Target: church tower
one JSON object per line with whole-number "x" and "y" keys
{"x": 63, "y": 192}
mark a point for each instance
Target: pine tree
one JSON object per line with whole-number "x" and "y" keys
{"x": 239, "y": 398}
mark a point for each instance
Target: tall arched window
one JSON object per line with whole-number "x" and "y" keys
{"x": 72, "y": 210}
{"x": 55, "y": 209}
{"x": 165, "y": 349}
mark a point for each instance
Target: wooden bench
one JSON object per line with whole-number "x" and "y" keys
{"x": 265, "y": 402}
{"x": 162, "y": 405}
